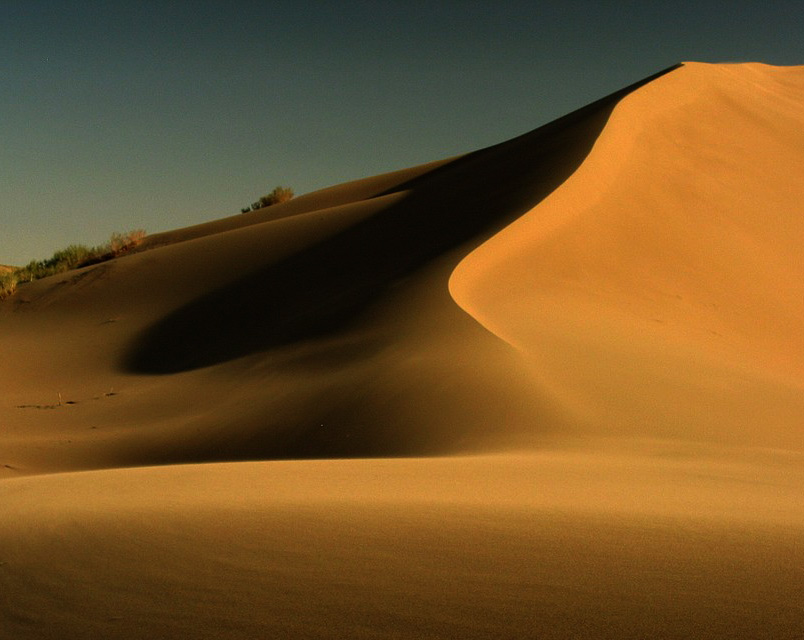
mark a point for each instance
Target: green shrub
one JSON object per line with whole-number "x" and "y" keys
{"x": 72, "y": 257}
{"x": 63, "y": 260}
{"x": 68, "y": 258}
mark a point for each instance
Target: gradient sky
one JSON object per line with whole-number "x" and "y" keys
{"x": 117, "y": 115}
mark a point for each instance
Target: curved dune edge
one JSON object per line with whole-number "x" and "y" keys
{"x": 660, "y": 289}
{"x": 327, "y": 333}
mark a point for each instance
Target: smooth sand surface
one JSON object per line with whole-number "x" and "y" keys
{"x": 677, "y": 245}
{"x": 551, "y": 389}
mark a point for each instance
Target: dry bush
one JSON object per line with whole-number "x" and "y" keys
{"x": 277, "y": 196}
{"x": 122, "y": 242}
{"x": 73, "y": 257}
{"x": 8, "y": 284}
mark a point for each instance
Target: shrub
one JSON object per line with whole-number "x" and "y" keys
{"x": 122, "y": 242}
{"x": 8, "y": 284}
{"x": 72, "y": 257}
{"x": 68, "y": 258}
{"x": 277, "y": 196}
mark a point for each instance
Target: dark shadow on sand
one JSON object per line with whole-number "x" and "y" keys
{"x": 322, "y": 289}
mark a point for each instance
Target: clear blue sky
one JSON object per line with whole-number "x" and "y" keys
{"x": 117, "y": 115}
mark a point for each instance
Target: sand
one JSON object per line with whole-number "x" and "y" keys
{"x": 553, "y": 388}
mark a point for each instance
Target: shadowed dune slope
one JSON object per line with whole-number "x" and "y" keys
{"x": 315, "y": 333}
{"x": 317, "y": 290}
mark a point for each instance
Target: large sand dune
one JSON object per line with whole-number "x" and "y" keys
{"x": 553, "y": 388}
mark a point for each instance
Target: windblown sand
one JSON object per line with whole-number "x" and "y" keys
{"x": 550, "y": 389}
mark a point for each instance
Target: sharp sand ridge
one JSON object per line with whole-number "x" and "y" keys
{"x": 553, "y": 388}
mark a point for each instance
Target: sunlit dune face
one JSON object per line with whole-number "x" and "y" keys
{"x": 665, "y": 274}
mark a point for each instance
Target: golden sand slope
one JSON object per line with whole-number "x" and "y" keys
{"x": 660, "y": 290}
{"x": 623, "y": 363}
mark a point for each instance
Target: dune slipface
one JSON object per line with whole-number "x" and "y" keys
{"x": 553, "y": 388}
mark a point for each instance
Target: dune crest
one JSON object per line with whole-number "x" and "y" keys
{"x": 660, "y": 289}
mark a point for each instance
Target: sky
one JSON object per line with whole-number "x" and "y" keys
{"x": 158, "y": 115}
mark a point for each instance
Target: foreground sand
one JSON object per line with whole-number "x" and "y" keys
{"x": 554, "y": 388}
{"x": 558, "y": 544}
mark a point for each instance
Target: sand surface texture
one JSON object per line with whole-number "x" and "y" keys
{"x": 549, "y": 389}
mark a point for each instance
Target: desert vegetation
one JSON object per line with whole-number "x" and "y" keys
{"x": 277, "y": 196}
{"x": 71, "y": 257}
{"x": 8, "y": 284}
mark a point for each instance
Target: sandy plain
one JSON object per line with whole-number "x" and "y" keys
{"x": 549, "y": 389}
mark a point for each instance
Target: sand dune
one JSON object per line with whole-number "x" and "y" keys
{"x": 553, "y": 388}
{"x": 677, "y": 246}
